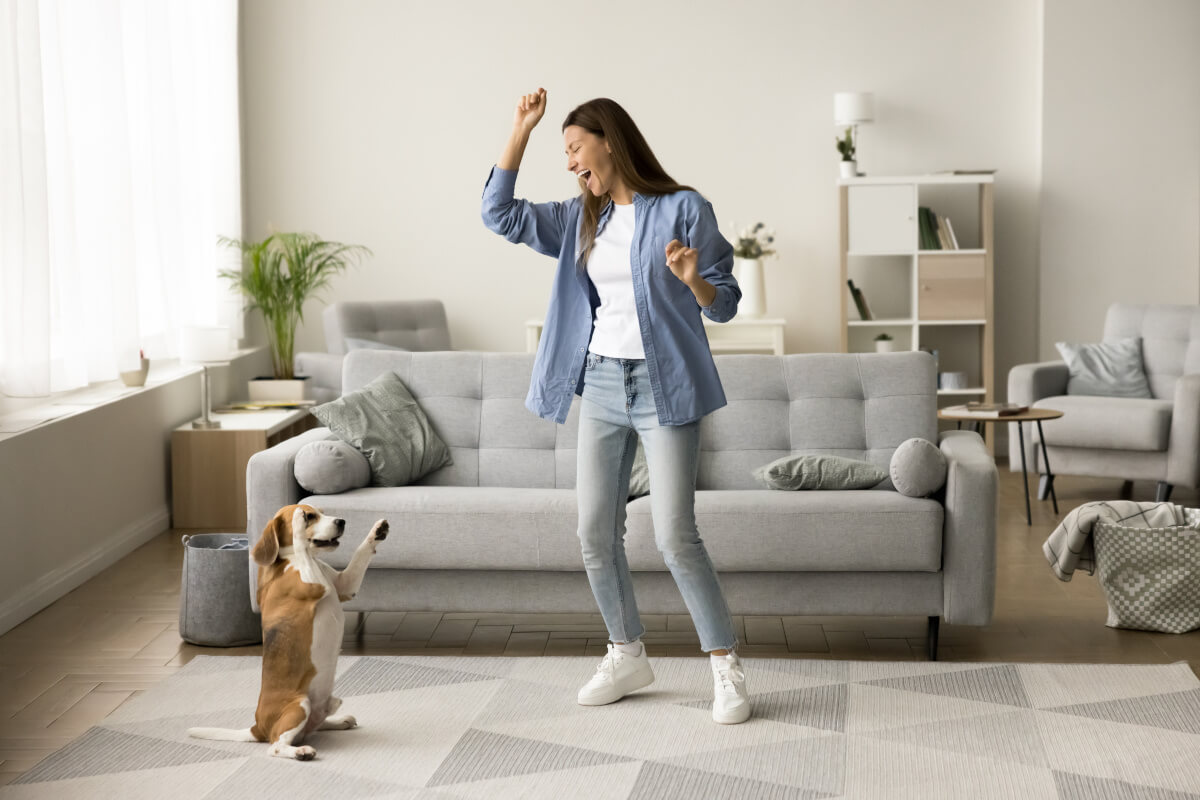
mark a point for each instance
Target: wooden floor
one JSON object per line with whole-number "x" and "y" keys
{"x": 66, "y": 668}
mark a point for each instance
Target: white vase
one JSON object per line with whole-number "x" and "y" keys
{"x": 884, "y": 345}
{"x": 849, "y": 169}
{"x": 749, "y": 274}
{"x": 266, "y": 389}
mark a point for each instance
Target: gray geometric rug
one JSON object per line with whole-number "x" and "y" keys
{"x": 462, "y": 727}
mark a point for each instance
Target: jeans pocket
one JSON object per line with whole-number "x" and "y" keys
{"x": 590, "y": 361}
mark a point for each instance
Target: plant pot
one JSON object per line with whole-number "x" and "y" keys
{"x": 749, "y": 274}
{"x": 265, "y": 388}
{"x": 136, "y": 377}
{"x": 849, "y": 169}
{"x": 885, "y": 345}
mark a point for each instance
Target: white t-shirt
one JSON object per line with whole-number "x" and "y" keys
{"x": 617, "y": 332}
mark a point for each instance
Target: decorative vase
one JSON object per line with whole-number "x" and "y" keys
{"x": 750, "y": 280}
{"x": 268, "y": 389}
{"x": 136, "y": 377}
{"x": 849, "y": 169}
{"x": 884, "y": 345}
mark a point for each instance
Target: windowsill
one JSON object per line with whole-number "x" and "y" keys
{"x": 20, "y": 415}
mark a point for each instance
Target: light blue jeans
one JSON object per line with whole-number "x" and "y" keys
{"x": 617, "y": 408}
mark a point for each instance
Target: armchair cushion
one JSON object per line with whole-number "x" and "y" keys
{"x": 1108, "y": 369}
{"x": 353, "y": 343}
{"x": 1145, "y": 423}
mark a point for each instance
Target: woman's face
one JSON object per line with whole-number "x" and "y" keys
{"x": 588, "y": 157}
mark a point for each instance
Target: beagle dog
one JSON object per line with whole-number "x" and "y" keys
{"x": 301, "y": 600}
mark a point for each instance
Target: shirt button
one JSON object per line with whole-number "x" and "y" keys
{"x": 571, "y": 381}
{"x": 582, "y": 349}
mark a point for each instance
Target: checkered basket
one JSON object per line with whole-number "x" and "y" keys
{"x": 1150, "y": 576}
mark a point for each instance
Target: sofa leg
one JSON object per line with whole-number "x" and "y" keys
{"x": 1126, "y": 490}
{"x": 360, "y": 625}
{"x": 1163, "y": 494}
{"x": 934, "y": 622}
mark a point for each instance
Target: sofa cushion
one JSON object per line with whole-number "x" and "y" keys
{"x": 918, "y": 468}
{"x": 389, "y": 427}
{"x": 818, "y": 472}
{"x": 756, "y": 530}
{"x": 1109, "y": 423}
{"x": 331, "y": 466}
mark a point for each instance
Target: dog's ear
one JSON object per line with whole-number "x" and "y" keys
{"x": 266, "y": 549}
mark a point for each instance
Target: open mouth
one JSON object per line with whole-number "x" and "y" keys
{"x": 325, "y": 542}
{"x": 586, "y": 175}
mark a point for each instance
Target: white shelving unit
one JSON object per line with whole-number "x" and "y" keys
{"x": 933, "y": 299}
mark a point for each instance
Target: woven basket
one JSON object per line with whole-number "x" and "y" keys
{"x": 1150, "y": 576}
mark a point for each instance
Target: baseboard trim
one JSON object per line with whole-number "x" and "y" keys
{"x": 45, "y": 589}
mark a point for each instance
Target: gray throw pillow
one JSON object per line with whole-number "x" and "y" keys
{"x": 331, "y": 466}
{"x": 639, "y": 478}
{"x": 1108, "y": 369}
{"x": 819, "y": 472}
{"x": 369, "y": 344}
{"x": 383, "y": 421}
{"x": 918, "y": 468}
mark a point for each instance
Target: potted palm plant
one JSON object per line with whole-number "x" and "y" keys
{"x": 845, "y": 146}
{"x": 278, "y": 275}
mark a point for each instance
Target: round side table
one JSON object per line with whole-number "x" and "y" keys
{"x": 1034, "y": 415}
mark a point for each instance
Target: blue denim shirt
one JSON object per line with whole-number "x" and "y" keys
{"x": 683, "y": 376}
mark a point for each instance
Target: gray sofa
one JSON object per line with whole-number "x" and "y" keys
{"x": 1155, "y": 439}
{"x": 407, "y": 324}
{"x": 496, "y": 530}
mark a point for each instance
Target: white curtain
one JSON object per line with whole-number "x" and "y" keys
{"x": 120, "y": 165}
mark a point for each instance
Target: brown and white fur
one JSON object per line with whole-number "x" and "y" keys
{"x": 301, "y": 600}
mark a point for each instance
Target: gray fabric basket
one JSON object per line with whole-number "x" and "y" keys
{"x": 1150, "y": 576}
{"x": 214, "y": 599}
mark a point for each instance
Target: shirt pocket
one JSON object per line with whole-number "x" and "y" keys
{"x": 661, "y": 273}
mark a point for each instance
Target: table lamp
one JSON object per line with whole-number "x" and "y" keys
{"x": 851, "y": 108}
{"x": 207, "y": 346}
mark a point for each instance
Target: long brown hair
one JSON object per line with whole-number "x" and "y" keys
{"x": 632, "y": 157}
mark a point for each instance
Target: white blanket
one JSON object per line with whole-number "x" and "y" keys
{"x": 1070, "y": 545}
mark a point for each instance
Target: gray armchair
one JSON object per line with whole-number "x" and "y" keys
{"x": 1156, "y": 438}
{"x": 399, "y": 324}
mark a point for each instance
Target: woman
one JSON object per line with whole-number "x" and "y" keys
{"x": 639, "y": 259}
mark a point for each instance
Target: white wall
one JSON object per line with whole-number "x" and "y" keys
{"x": 376, "y": 123}
{"x": 1121, "y": 162}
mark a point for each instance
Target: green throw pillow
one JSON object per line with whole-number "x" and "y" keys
{"x": 383, "y": 421}
{"x": 819, "y": 472}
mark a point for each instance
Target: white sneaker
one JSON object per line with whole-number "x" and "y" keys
{"x": 617, "y": 675}
{"x": 731, "y": 702}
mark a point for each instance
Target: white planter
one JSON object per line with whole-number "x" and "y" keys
{"x": 270, "y": 389}
{"x": 136, "y": 377}
{"x": 885, "y": 346}
{"x": 749, "y": 274}
{"x": 849, "y": 169}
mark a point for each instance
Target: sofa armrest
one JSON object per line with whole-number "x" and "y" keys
{"x": 969, "y": 530}
{"x": 1183, "y": 446}
{"x": 1028, "y": 383}
{"x": 324, "y": 370}
{"x": 271, "y": 485}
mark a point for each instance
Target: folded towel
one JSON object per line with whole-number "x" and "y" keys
{"x": 1070, "y": 545}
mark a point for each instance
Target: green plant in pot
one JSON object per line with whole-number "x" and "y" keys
{"x": 278, "y": 275}
{"x": 845, "y": 146}
{"x": 883, "y": 343}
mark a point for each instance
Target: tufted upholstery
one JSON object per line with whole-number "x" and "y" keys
{"x": 858, "y": 406}
{"x": 1170, "y": 340}
{"x": 411, "y": 324}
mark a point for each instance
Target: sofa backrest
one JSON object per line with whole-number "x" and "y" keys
{"x": 411, "y": 324}
{"x": 854, "y": 405}
{"x": 1170, "y": 340}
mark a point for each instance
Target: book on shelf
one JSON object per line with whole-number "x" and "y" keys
{"x": 935, "y": 230}
{"x": 987, "y": 410}
{"x": 860, "y": 301}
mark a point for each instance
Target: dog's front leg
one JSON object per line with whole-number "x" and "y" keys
{"x": 349, "y": 580}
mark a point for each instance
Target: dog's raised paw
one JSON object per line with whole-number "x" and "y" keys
{"x": 381, "y": 530}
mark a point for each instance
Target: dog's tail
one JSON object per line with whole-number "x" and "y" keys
{"x": 224, "y": 734}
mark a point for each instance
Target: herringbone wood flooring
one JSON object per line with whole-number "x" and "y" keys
{"x": 66, "y": 668}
